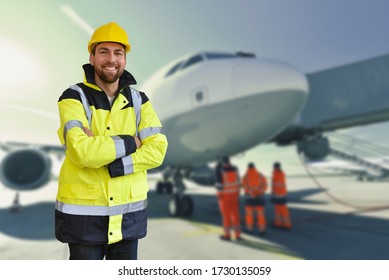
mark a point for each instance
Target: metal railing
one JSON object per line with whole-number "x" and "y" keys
{"x": 363, "y": 153}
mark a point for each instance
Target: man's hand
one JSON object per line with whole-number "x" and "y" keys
{"x": 88, "y": 132}
{"x": 137, "y": 142}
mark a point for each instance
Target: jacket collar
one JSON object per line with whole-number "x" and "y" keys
{"x": 125, "y": 79}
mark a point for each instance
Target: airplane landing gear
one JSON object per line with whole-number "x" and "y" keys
{"x": 180, "y": 205}
{"x": 15, "y": 207}
{"x": 164, "y": 186}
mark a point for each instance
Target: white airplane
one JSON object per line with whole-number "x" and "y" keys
{"x": 214, "y": 104}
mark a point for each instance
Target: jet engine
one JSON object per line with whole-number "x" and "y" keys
{"x": 315, "y": 148}
{"x": 25, "y": 169}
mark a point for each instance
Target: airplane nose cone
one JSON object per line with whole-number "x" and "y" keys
{"x": 261, "y": 76}
{"x": 272, "y": 94}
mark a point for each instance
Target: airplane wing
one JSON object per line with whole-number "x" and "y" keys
{"x": 10, "y": 146}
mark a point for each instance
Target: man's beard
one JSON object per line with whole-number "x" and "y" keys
{"x": 109, "y": 78}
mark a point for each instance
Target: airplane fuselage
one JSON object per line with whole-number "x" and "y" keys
{"x": 222, "y": 106}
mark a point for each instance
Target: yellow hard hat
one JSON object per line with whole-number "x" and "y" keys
{"x": 110, "y": 32}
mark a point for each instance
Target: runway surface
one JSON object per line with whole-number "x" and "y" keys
{"x": 334, "y": 218}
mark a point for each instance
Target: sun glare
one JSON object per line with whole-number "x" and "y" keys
{"x": 21, "y": 68}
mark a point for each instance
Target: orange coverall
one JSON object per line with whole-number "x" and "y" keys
{"x": 279, "y": 199}
{"x": 255, "y": 186}
{"x": 228, "y": 185}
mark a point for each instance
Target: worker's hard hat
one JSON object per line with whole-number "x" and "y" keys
{"x": 110, "y": 32}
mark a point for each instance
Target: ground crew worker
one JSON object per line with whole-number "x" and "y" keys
{"x": 228, "y": 187}
{"x": 279, "y": 198}
{"x": 112, "y": 136}
{"x": 255, "y": 185}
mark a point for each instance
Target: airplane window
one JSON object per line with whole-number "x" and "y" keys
{"x": 199, "y": 96}
{"x": 174, "y": 69}
{"x": 193, "y": 60}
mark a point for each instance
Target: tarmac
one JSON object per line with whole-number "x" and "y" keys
{"x": 334, "y": 218}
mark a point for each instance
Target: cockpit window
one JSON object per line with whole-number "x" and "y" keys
{"x": 219, "y": 55}
{"x": 174, "y": 68}
{"x": 208, "y": 56}
{"x": 193, "y": 60}
{"x": 184, "y": 64}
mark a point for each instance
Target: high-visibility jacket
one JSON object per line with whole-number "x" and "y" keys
{"x": 254, "y": 183}
{"x": 227, "y": 179}
{"x": 102, "y": 186}
{"x": 278, "y": 190}
{"x": 228, "y": 186}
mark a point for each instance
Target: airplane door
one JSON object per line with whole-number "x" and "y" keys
{"x": 199, "y": 97}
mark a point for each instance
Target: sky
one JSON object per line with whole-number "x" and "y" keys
{"x": 43, "y": 44}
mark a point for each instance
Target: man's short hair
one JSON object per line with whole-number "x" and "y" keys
{"x": 93, "y": 47}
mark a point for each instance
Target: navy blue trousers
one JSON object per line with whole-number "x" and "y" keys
{"x": 122, "y": 250}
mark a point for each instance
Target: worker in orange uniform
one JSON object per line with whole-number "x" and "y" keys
{"x": 255, "y": 186}
{"x": 279, "y": 198}
{"x": 228, "y": 187}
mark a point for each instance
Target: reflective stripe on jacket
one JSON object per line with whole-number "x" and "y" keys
{"x": 278, "y": 184}
{"x": 103, "y": 179}
{"x": 227, "y": 179}
{"x": 254, "y": 183}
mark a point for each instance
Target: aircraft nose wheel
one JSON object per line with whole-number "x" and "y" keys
{"x": 181, "y": 206}
{"x": 164, "y": 187}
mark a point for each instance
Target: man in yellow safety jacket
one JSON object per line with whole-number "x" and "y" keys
{"x": 112, "y": 136}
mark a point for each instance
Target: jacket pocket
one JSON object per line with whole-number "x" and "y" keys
{"x": 139, "y": 189}
{"x": 80, "y": 191}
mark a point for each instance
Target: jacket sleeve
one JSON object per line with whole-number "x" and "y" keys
{"x": 82, "y": 150}
{"x": 152, "y": 152}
